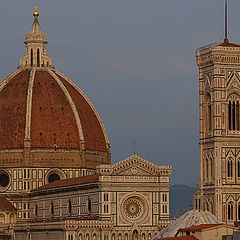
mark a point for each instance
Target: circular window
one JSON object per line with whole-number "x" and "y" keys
{"x": 135, "y": 208}
{"x": 53, "y": 177}
{"x": 4, "y": 179}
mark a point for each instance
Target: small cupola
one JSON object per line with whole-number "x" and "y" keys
{"x": 36, "y": 41}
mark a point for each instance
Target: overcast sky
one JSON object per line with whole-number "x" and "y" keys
{"x": 135, "y": 60}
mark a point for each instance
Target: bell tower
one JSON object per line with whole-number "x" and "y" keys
{"x": 219, "y": 97}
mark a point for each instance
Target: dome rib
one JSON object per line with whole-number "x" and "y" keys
{"x": 13, "y": 99}
{"x": 53, "y": 124}
{"x": 89, "y": 103}
{"x": 72, "y": 105}
{"x": 29, "y": 107}
{"x": 6, "y": 80}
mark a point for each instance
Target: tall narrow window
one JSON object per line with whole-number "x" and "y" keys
{"x": 238, "y": 168}
{"x": 209, "y": 117}
{"x": 230, "y": 211}
{"x": 237, "y": 116}
{"x": 207, "y": 171}
{"x": 229, "y": 168}
{"x": 233, "y": 113}
{"x": 233, "y": 116}
{"x": 208, "y": 113}
{"x": 212, "y": 168}
{"x": 230, "y": 115}
{"x": 38, "y": 57}
{"x": 31, "y": 58}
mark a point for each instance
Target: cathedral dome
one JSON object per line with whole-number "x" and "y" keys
{"x": 42, "y": 111}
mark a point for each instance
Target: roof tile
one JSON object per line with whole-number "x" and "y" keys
{"x": 5, "y": 205}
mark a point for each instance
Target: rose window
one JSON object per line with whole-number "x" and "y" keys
{"x": 134, "y": 208}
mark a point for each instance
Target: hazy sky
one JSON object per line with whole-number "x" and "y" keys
{"x": 135, "y": 59}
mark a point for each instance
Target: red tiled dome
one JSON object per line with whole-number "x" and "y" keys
{"x": 45, "y": 108}
{"x": 45, "y": 119}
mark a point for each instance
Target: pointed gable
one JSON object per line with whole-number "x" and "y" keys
{"x": 134, "y": 166}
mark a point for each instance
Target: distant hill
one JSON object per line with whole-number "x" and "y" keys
{"x": 180, "y": 199}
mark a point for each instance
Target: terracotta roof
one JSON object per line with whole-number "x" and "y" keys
{"x": 226, "y": 43}
{"x": 69, "y": 182}
{"x": 13, "y": 103}
{"x": 53, "y": 120}
{"x": 5, "y": 205}
{"x": 199, "y": 227}
{"x": 180, "y": 238}
{"x": 92, "y": 130}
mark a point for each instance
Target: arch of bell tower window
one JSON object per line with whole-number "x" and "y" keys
{"x": 234, "y": 112}
{"x": 230, "y": 168}
{"x": 208, "y": 112}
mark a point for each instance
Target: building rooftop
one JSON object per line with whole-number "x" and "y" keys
{"x": 199, "y": 227}
{"x": 6, "y": 206}
{"x": 189, "y": 219}
{"x": 69, "y": 182}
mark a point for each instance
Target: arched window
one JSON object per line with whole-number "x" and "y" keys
{"x": 52, "y": 209}
{"x": 89, "y": 205}
{"x": 12, "y": 218}
{"x": 135, "y": 235}
{"x": 38, "y": 57}
{"x": 230, "y": 211}
{"x": 238, "y": 168}
{"x": 207, "y": 170}
{"x": 233, "y": 113}
{"x": 2, "y": 218}
{"x": 211, "y": 168}
{"x": 208, "y": 116}
{"x": 31, "y": 58}
{"x": 229, "y": 168}
{"x": 149, "y": 236}
{"x": 70, "y": 207}
{"x": 119, "y": 236}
